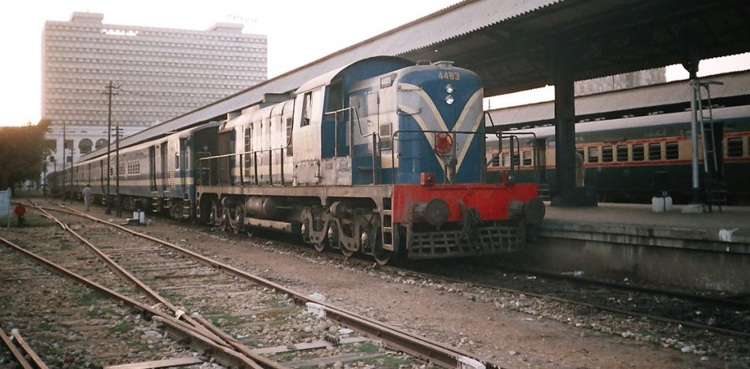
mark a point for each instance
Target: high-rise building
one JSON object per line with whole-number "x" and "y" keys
{"x": 156, "y": 74}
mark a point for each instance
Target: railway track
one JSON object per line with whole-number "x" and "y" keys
{"x": 730, "y": 317}
{"x": 262, "y": 324}
{"x": 709, "y": 326}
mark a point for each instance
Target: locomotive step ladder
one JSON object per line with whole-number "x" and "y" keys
{"x": 543, "y": 191}
{"x": 387, "y": 225}
{"x": 711, "y": 138}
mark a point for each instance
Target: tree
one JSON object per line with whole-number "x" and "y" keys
{"x": 22, "y": 152}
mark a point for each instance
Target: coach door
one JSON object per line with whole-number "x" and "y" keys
{"x": 102, "y": 178}
{"x": 226, "y": 146}
{"x": 365, "y": 139}
{"x": 163, "y": 166}
{"x": 152, "y": 168}
{"x": 336, "y": 163}
{"x": 182, "y": 165}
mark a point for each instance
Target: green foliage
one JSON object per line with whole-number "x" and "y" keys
{"x": 22, "y": 153}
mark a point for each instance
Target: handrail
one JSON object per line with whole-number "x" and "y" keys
{"x": 206, "y": 163}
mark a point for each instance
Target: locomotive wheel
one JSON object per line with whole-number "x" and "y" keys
{"x": 348, "y": 253}
{"x": 320, "y": 247}
{"x": 333, "y": 236}
{"x": 175, "y": 211}
{"x": 238, "y": 222}
{"x": 214, "y": 216}
{"x": 225, "y": 216}
{"x": 382, "y": 257}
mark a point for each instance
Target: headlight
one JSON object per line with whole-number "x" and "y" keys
{"x": 449, "y": 99}
{"x": 449, "y": 88}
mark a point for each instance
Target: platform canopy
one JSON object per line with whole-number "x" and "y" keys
{"x": 516, "y": 45}
{"x": 586, "y": 38}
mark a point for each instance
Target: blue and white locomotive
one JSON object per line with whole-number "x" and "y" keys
{"x": 381, "y": 157}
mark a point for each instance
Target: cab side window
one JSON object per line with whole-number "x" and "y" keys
{"x": 306, "y": 110}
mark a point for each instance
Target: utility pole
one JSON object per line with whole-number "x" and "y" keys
{"x": 63, "y": 168}
{"x": 109, "y": 94}
{"x": 118, "y": 199}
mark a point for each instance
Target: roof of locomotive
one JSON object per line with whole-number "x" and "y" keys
{"x": 358, "y": 70}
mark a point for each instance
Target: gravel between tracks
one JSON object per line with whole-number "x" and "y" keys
{"x": 459, "y": 315}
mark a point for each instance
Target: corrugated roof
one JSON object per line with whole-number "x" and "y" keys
{"x": 520, "y": 42}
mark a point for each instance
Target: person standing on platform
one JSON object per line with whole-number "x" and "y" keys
{"x": 87, "y": 196}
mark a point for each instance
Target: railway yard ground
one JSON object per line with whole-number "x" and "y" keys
{"x": 510, "y": 330}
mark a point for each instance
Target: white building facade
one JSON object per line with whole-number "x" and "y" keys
{"x": 156, "y": 73}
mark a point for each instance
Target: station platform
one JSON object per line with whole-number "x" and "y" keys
{"x": 707, "y": 251}
{"x": 730, "y": 225}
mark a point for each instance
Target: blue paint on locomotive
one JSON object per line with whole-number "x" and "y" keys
{"x": 344, "y": 81}
{"x": 424, "y": 114}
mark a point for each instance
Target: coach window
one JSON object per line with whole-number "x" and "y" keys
{"x": 336, "y": 96}
{"x": 622, "y": 153}
{"x": 734, "y": 147}
{"x": 289, "y": 143}
{"x": 672, "y": 150}
{"x": 638, "y": 152}
{"x": 176, "y": 161}
{"x": 248, "y": 146}
{"x": 249, "y": 138}
{"x": 654, "y": 151}
{"x": 506, "y": 160}
{"x": 306, "y": 109}
{"x": 527, "y": 158}
{"x": 606, "y": 154}
{"x": 593, "y": 154}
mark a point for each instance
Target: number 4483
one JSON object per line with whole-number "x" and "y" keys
{"x": 452, "y": 76}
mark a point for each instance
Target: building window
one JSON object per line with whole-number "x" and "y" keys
{"x": 85, "y": 145}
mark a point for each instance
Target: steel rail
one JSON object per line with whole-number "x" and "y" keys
{"x": 29, "y": 351}
{"x": 203, "y": 326}
{"x": 129, "y": 277}
{"x": 14, "y": 351}
{"x": 421, "y": 347}
{"x": 221, "y": 351}
{"x": 723, "y": 331}
{"x": 634, "y": 287}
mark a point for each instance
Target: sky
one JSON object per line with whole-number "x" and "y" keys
{"x": 326, "y": 26}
